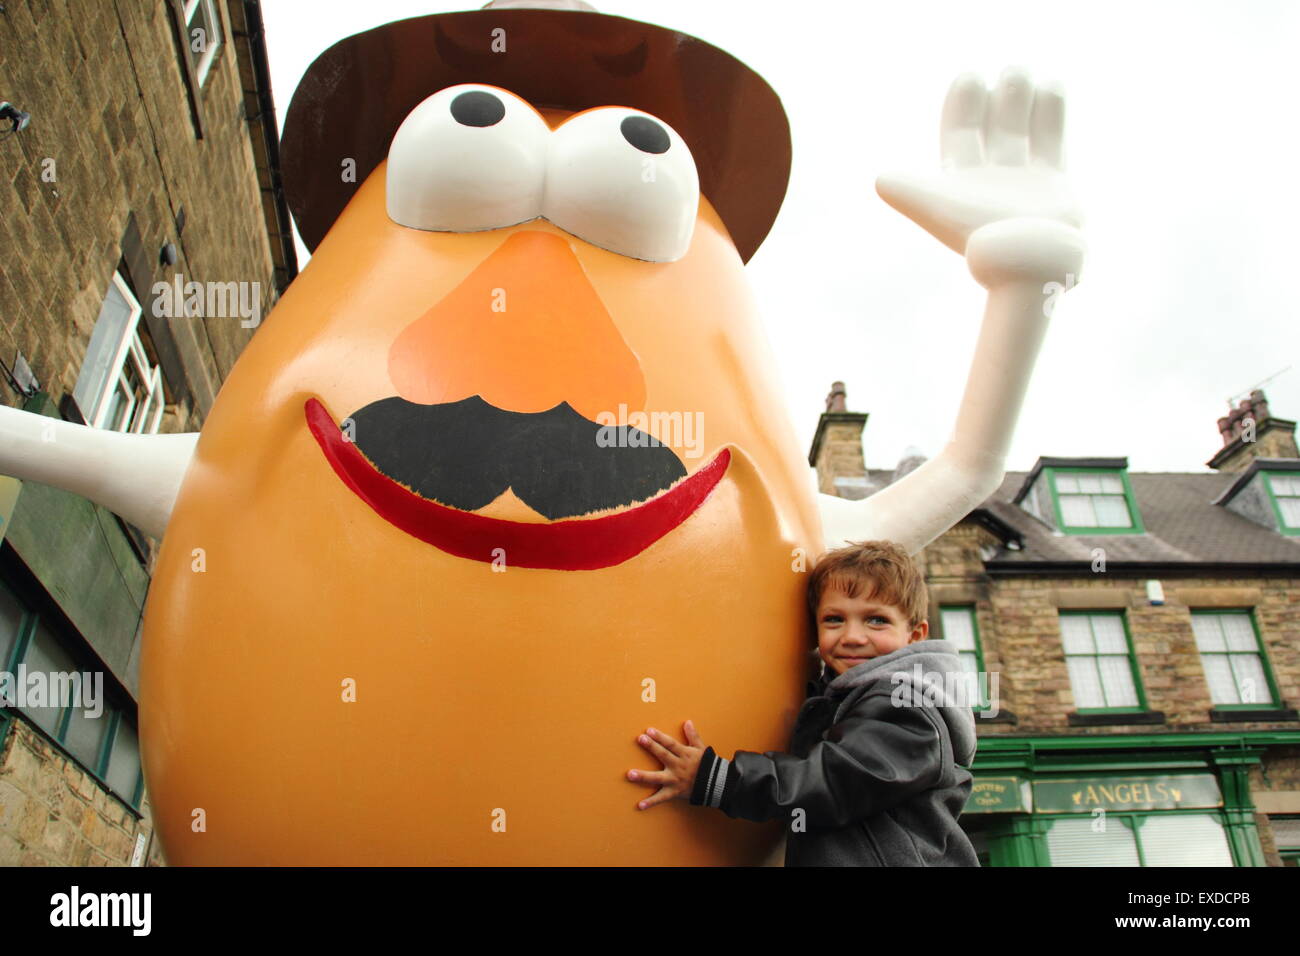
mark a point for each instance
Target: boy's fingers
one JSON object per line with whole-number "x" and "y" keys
{"x": 661, "y": 754}
{"x": 692, "y": 737}
{"x": 652, "y": 778}
{"x": 666, "y": 740}
{"x": 664, "y": 794}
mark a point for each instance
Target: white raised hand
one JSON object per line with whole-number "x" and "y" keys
{"x": 1001, "y": 162}
{"x": 1001, "y": 199}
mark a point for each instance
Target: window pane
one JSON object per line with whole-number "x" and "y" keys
{"x": 1109, "y": 633}
{"x": 1252, "y": 686}
{"x": 86, "y": 735}
{"x": 1117, "y": 675}
{"x": 977, "y": 693}
{"x": 47, "y": 658}
{"x": 1240, "y": 635}
{"x": 1184, "y": 839}
{"x": 1090, "y": 484}
{"x": 1112, "y": 484}
{"x": 1075, "y": 842}
{"x": 1076, "y": 511}
{"x": 1066, "y": 483}
{"x": 124, "y": 764}
{"x": 1290, "y": 511}
{"x": 1209, "y": 632}
{"x": 1218, "y": 674}
{"x": 1285, "y": 484}
{"x": 1076, "y": 634}
{"x": 1112, "y": 511}
{"x": 11, "y": 619}
{"x": 958, "y": 629}
{"x": 115, "y": 318}
{"x": 1084, "y": 682}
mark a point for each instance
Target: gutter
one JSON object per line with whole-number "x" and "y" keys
{"x": 255, "y": 33}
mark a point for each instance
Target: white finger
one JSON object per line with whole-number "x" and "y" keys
{"x": 962, "y": 125}
{"x": 1006, "y": 141}
{"x": 1047, "y": 125}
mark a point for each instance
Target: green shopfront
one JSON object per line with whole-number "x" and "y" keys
{"x": 1118, "y": 800}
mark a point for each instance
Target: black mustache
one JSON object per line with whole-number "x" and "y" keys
{"x": 465, "y": 454}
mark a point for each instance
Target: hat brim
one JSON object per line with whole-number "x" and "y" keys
{"x": 356, "y": 94}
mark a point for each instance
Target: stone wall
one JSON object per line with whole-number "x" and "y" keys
{"x": 113, "y": 167}
{"x": 111, "y": 127}
{"x": 55, "y": 813}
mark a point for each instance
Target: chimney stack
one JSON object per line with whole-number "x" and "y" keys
{"x": 1249, "y": 431}
{"x": 837, "y": 448}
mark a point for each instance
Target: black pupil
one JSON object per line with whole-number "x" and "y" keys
{"x": 645, "y": 134}
{"x": 477, "y": 108}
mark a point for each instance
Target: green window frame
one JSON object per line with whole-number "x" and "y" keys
{"x": 1098, "y": 494}
{"x": 35, "y": 633}
{"x": 1099, "y": 652}
{"x": 960, "y": 626}
{"x": 1284, "y": 490}
{"x": 1232, "y": 654}
{"x": 1150, "y": 848}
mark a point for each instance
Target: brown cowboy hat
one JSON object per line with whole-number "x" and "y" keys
{"x": 562, "y": 54}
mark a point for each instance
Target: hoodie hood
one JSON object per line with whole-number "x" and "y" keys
{"x": 918, "y": 673}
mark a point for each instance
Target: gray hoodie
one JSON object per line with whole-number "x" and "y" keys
{"x": 878, "y": 770}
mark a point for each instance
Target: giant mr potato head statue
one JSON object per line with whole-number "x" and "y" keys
{"x": 451, "y": 508}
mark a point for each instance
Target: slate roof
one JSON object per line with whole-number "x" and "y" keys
{"x": 1183, "y": 527}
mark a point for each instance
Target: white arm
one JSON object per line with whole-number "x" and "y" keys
{"x": 135, "y": 476}
{"x": 1004, "y": 205}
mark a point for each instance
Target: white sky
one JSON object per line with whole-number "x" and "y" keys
{"x": 1181, "y": 142}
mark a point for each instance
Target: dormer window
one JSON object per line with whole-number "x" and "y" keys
{"x": 1082, "y": 496}
{"x": 1267, "y": 493}
{"x": 1092, "y": 500}
{"x": 1285, "y": 489}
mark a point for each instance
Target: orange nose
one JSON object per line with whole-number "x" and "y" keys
{"x": 525, "y": 331}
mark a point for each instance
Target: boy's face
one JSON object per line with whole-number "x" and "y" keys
{"x": 852, "y": 630}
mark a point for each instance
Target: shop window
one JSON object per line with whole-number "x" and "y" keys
{"x": 960, "y": 628}
{"x": 1286, "y": 837}
{"x": 1138, "y": 839}
{"x": 1233, "y": 659}
{"x": 120, "y": 387}
{"x": 103, "y": 741}
{"x": 1103, "y": 674}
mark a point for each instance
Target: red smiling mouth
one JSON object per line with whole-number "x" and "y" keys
{"x": 582, "y": 544}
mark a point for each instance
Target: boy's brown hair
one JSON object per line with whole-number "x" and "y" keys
{"x": 885, "y": 570}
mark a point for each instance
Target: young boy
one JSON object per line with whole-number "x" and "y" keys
{"x": 877, "y": 773}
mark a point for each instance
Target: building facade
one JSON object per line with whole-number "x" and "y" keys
{"x": 1138, "y": 637}
{"x": 144, "y": 237}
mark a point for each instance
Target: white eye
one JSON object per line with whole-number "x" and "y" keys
{"x": 469, "y": 157}
{"x": 624, "y": 181}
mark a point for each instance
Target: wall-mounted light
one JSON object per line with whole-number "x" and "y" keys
{"x": 167, "y": 254}
{"x": 13, "y": 115}
{"x": 1155, "y": 592}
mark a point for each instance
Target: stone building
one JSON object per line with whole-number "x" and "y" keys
{"x": 150, "y": 162}
{"x": 1144, "y": 629}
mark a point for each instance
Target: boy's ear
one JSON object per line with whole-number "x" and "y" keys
{"x": 921, "y": 632}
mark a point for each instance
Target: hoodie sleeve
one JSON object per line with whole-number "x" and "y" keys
{"x": 876, "y": 757}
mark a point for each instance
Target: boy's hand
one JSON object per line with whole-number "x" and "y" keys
{"x": 681, "y": 761}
